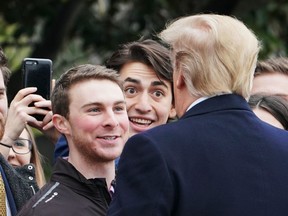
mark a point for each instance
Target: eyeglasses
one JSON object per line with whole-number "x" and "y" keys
{"x": 20, "y": 146}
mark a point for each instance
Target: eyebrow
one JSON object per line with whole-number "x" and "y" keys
{"x": 101, "y": 104}
{"x": 154, "y": 83}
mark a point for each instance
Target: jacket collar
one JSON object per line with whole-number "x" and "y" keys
{"x": 217, "y": 103}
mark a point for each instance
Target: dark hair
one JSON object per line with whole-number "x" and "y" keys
{"x": 275, "y": 105}
{"x": 4, "y": 67}
{"x": 60, "y": 98}
{"x": 148, "y": 52}
{"x": 272, "y": 65}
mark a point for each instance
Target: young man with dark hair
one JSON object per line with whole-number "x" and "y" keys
{"x": 90, "y": 110}
{"x": 146, "y": 70}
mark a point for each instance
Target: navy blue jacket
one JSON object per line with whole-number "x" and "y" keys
{"x": 218, "y": 159}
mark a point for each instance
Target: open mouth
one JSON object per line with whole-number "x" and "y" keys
{"x": 141, "y": 121}
{"x": 109, "y": 137}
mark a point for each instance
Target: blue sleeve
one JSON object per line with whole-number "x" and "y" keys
{"x": 61, "y": 148}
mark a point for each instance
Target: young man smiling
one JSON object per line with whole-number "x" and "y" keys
{"x": 89, "y": 109}
{"x": 146, "y": 70}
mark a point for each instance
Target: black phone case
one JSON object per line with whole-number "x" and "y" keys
{"x": 37, "y": 72}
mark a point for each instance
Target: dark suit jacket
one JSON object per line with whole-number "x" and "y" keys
{"x": 218, "y": 159}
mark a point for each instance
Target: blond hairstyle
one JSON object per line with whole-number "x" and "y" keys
{"x": 36, "y": 159}
{"x": 216, "y": 54}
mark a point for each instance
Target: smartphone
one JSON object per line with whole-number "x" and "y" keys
{"x": 37, "y": 72}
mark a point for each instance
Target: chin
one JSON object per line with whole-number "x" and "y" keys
{"x": 132, "y": 133}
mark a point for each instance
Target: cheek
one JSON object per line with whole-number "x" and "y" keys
{"x": 124, "y": 122}
{"x": 85, "y": 124}
{"x": 24, "y": 159}
{"x": 3, "y": 107}
{"x": 163, "y": 108}
{"x": 129, "y": 102}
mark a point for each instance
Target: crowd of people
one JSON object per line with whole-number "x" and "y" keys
{"x": 192, "y": 124}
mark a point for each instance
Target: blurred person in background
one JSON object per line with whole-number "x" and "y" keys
{"x": 271, "y": 77}
{"x": 20, "y": 184}
{"x": 272, "y": 109}
{"x": 30, "y": 154}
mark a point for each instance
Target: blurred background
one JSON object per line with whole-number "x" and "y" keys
{"x": 72, "y": 32}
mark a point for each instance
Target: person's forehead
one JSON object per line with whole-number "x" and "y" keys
{"x": 95, "y": 90}
{"x": 140, "y": 73}
{"x": 25, "y": 134}
{"x": 270, "y": 83}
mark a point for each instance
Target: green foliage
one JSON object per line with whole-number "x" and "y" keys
{"x": 15, "y": 53}
{"x": 72, "y": 32}
{"x": 98, "y": 27}
{"x": 270, "y": 25}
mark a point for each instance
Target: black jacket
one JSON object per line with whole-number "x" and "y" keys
{"x": 69, "y": 193}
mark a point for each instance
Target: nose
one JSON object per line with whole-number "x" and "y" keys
{"x": 110, "y": 120}
{"x": 143, "y": 103}
{"x": 11, "y": 154}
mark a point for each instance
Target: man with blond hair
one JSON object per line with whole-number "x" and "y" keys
{"x": 218, "y": 158}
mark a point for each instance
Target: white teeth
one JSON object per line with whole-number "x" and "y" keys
{"x": 109, "y": 138}
{"x": 141, "y": 121}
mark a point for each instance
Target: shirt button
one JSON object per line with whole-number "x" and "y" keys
{"x": 30, "y": 167}
{"x": 30, "y": 178}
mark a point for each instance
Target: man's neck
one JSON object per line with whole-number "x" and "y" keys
{"x": 92, "y": 169}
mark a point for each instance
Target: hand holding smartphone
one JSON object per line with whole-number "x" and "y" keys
{"x": 37, "y": 72}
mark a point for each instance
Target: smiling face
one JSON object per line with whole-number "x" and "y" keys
{"x": 148, "y": 99}
{"x": 97, "y": 128}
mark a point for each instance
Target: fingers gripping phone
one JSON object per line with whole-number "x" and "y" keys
{"x": 37, "y": 72}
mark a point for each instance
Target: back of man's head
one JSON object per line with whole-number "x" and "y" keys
{"x": 216, "y": 54}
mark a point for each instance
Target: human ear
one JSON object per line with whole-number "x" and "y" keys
{"x": 180, "y": 82}
{"x": 61, "y": 124}
{"x": 172, "y": 113}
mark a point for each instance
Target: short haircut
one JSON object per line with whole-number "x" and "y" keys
{"x": 4, "y": 67}
{"x": 148, "y": 52}
{"x": 275, "y": 105}
{"x": 60, "y": 95}
{"x": 272, "y": 65}
{"x": 216, "y": 54}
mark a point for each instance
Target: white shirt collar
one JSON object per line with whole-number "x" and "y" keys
{"x": 199, "y": 100}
